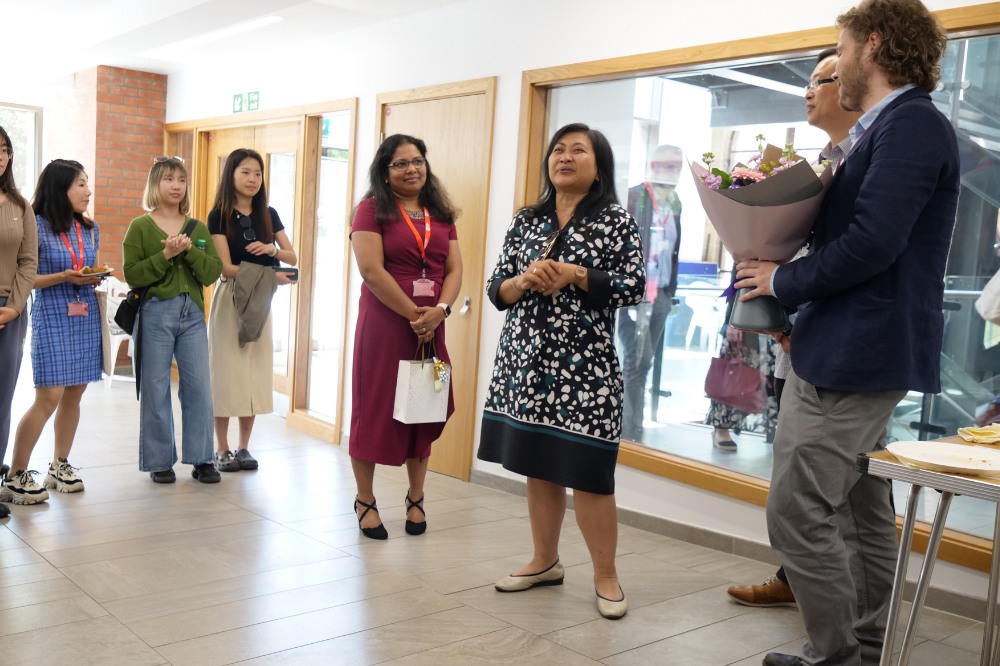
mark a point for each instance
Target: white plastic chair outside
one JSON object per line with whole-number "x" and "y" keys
{"x": 706, "y": 314}
{"x": 116, "y": 292}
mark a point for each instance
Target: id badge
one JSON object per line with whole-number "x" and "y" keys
{"x": 77, "y": 309}
{"x": 423, "y": 287}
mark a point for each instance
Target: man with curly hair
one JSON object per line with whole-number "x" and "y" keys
{"x": 869, "y": 329}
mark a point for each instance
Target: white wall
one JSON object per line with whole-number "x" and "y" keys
{"x": 502, "y": 38}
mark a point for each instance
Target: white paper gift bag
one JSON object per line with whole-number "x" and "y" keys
{"x": 988, "y": 303}
{"x": 422, "y": 391}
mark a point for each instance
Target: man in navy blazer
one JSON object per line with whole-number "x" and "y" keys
{"x": 869, "y": 328}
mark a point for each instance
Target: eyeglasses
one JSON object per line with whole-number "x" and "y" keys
{"x": 167, "y": 158}
{"x": 248, "y": 232}
{"x": 548, "y": 245}
{"x": 403, "y": 165}
{"x": 813, "y": 85}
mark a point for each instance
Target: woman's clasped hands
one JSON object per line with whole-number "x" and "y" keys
{"x": 547, "y": 277}
{"x": 175, "y": 245}
{"x": 427, "y": 321}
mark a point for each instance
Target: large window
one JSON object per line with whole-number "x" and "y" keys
{"x": 24, "y": 126}
{"x": 721, "y": 108}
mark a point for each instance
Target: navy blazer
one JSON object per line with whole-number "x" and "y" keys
{"x": 874, "y": 283}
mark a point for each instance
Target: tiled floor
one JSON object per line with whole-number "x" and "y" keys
{"x": 269, "y": 568}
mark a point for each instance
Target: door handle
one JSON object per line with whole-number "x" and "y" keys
{"x": 465, "y": 305}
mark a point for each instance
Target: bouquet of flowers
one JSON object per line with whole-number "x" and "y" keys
{"x": 762, "y": 210}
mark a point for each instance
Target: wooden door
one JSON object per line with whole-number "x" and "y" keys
{"x": 278, "y": 145}
{"x": 456, "y": 123}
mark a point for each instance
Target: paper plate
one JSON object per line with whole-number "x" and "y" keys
{"x": 948, "y": 457}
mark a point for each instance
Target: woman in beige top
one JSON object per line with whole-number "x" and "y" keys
{"x": 18, "y": 262}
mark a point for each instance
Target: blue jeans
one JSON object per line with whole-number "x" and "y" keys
{"x": 174, "y": 329}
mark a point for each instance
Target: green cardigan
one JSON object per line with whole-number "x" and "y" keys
{"x": 145, "y": 263}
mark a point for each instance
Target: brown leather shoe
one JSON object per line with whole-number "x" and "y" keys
{"x": 772, "y": 592}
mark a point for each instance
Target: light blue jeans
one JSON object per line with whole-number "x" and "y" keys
{"x": 174, "y": 329}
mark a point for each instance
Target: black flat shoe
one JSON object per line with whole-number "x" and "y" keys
{"x": 377, "y": 532}
{"x": 164, "y": 476}
{"x": 412, "y": 527}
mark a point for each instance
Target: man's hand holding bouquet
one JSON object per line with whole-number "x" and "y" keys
{"x": 763, "y": 210}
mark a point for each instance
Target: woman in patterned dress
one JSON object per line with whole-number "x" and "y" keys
{"x": 65, "y": 329}
{"x": 554, "y": 407}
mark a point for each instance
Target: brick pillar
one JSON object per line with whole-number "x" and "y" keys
{"x": 131, "y": 109}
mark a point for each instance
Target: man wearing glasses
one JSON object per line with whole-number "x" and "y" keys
{"x": 823, "y": 110}
{"x": 657, "y": 210}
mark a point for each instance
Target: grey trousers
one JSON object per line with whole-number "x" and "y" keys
{"x": 833, "y": 529}
{"x": 11, "y": 351}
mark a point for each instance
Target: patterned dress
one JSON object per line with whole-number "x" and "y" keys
{"x": 554, "y": 406}
{"x": 65, "y": 351}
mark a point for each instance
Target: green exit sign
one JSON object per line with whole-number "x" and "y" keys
{"x": 248, "y": 101}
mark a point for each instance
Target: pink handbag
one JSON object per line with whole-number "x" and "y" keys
{"x": 733, "y": 383}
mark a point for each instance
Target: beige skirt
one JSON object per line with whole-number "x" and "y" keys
{"x": 242, "y": 377}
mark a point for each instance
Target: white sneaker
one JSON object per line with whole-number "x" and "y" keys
{"x": 23, "y": 488}
{"x": 63, "y": 478}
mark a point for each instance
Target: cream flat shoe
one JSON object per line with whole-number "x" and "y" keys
{"x": 612, "y": 610}
{"x": 551, "y": 576}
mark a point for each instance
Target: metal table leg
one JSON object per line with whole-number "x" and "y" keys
{"x": 989, "y": 628}
{"x": 924, "y": 580}
{"x": 905, "y": 543}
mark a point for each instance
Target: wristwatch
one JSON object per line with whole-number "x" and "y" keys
{"x": 447, "y": 309}
{"x": 581, "y": 272}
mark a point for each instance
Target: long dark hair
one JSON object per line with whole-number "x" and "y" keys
{"x": 225, "y": 196}
{"x": 7, "y": 184}
{"x": 432, "y": 196}
{"x": 51, "y": 200}
{"x": 602, "y": 191}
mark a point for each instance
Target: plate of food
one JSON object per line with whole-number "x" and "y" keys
{"x": 948, "y": 457}
{"x": 96, "y": 271}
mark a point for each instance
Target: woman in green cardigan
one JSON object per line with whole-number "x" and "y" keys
{"x": 174, "y": 256}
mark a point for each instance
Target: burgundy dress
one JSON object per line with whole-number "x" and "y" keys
{"x": 383, "y": 338}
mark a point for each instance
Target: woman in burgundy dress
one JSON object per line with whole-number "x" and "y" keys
{"x": 406, "y": 246}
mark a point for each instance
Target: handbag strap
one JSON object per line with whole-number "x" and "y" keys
{"x": 142, "y": 291}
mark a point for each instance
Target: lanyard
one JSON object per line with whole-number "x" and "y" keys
{"x": 652, "y": 197}
{"x": 416, "y": 234}
{"x": 77, "y": 263}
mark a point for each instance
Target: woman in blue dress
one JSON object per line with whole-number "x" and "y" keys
{"x": 65, "y": 330}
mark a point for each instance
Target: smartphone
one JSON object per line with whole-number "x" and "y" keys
{"x": 293, "y": 273}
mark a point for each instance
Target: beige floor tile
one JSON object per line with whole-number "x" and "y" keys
{"x": 392, "y": 641}
{"x": 288, "y": 633}
{"x": 181, "y": 567}
{"x": 48, "y": 614}
{"x": 41, "y": 592}
{"x": 99, "y": 642}
{"x": 227, "y": 590}
{"x": 969, "y": 639}
{"x": 265, "y": 608}
{"x": 932, "y": 653}
{"x": 15, "y": 557}
{"x": 718, "y": 643}
{"x": 508, "y": 646}
{"x": 643, "y": 625}
{"x": 28, "y": 573}
{"x": 150, "y": 544}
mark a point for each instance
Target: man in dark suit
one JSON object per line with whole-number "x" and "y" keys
{"x": 657, "y": 210}
{"x": 869, "y": 328}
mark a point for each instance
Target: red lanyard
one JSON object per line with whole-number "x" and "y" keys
{"x": 416, "y": 234}
{"x": 77, "y": 263}
{"x": 652, "y": 197}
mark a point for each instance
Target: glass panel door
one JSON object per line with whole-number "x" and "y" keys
{"x": 328, "y": 307}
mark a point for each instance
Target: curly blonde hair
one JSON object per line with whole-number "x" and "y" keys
{"x": 912, "y": 39}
